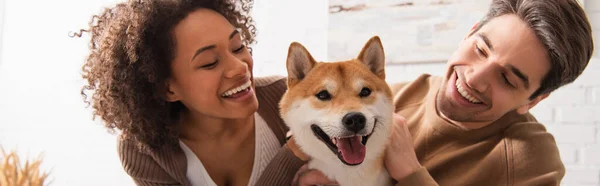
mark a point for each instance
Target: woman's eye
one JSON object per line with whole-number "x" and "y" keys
{"x": 239, "y": 49}
{"x": 210, "y": 65}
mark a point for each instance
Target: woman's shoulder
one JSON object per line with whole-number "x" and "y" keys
{"x": 270, "y": 87}
{"x": 130, "y": 154}
{"x": 269, "y": 91}
{"x": 150, "y": 166}
{"x": 269, "y": 81}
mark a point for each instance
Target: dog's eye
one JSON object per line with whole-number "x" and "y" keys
{"x": 323, "y": 95}
{"x": 365, "y": 92}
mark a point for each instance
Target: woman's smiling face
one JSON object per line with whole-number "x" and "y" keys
{"x": 212, "y": 69}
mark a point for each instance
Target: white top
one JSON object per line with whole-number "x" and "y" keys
{"x": 265, "y": 147}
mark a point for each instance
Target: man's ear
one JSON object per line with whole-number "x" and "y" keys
{"x": 525, "y": 108}
{"x": 299, "y": 63}
{"x": 373, "y": 56}
{"x": 472, "y": 30}
{"x": 170, "y": 94}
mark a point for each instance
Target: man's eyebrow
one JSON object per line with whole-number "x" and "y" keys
{"x": 203, "y": 49}
{"x": 233, "y": 33}
{"x": 520, "y": 74}
{"x": 486, "y": 40}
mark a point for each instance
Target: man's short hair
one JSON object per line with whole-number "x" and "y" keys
{"x": 562, "y": 27}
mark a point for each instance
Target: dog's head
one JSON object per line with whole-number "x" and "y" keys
{"x": 338, "y": 110}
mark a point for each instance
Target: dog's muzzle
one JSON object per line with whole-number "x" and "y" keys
{"x": 351, "y": 150}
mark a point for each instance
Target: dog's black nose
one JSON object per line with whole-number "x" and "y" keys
{"x": 354, "y": 121}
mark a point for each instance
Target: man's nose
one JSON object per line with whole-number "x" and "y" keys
{"x": 478, "y": 76}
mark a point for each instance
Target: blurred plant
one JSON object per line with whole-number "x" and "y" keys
{"x": 14, "y": 173}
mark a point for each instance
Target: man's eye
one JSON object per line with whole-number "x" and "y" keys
{"x": 480, "y": 51}
{"x": 506, "y": 81}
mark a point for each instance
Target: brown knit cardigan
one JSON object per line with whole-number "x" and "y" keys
{"x": 168, "y": 167}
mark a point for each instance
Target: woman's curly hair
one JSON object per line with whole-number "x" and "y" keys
{"x": 131, "y": 50}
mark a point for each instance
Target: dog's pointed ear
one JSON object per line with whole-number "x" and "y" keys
{"x": 299, "y": 63}
{"x": 373, "y": 57}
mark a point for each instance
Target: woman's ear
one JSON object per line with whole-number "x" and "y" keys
{"x": 171, "y": 95}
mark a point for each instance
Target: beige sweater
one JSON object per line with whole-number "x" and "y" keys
{"x": 514, "y": 150}
{"x": 168, "y": 167}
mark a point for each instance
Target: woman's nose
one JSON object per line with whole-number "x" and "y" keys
{"x": 236, "y": 67}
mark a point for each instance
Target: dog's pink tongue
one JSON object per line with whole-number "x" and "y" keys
{"x": 352, "y": 150}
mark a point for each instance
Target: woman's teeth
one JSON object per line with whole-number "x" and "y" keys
{"x": 237, "y": 89}
{"x": 465, "y": 94}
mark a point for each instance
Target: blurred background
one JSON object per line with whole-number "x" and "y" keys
{"x": 41, "y": 109}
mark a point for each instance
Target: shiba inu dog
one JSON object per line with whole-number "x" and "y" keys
{"x": 340, "y": 113}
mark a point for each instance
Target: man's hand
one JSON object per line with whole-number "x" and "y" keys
{"x": 400, "y": 157}
{"x": 306, "y": 177}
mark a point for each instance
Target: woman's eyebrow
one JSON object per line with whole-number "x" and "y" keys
{"x": 233, "y": 33}
{"x": 213, "y": 46}
{"x": 203, "y": 49}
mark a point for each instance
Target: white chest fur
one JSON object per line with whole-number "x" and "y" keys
{"x": 367, "y": 173}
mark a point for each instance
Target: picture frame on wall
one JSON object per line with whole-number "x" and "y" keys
{"x": 412, "y": 31}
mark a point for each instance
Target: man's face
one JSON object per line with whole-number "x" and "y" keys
{"x": 494, "y": 71}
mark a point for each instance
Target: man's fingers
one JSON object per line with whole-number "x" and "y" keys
{"x": 399, "y": 119}
{"x": 300, "y": 172}
{"x": 314, "y": 177}
{"x": 401, "y": 122}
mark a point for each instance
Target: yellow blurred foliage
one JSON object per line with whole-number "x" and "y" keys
{"x": 14, "y": 173}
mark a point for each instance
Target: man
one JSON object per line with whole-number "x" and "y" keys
{"x": 473, "y": 126}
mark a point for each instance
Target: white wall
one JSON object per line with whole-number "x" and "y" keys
{"x": 573, "y": 116}
{"x": 280, "y": 22}
{"x": 2, "y": 4}
{"x": 40, "y": 106}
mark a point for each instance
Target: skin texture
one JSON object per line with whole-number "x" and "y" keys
{"x": 199, "y": 81}
{"x": 158, "y": 70}
{"x": 485, "y": 72}
{"x": 486, "y": 75}
{"x": 129, "y": 70}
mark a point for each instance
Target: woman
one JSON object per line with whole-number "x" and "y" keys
{"x": 174, "y": 77}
